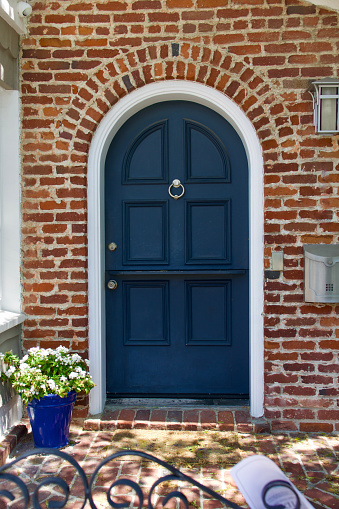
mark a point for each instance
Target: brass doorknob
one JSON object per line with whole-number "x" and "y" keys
{"x": 112, "y": 246}
{"x": 112, "y": 284}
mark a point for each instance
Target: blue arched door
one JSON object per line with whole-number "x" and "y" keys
{"x": 177, "y": 266}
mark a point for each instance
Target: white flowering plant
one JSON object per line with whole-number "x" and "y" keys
{"x": 46, "y": 371}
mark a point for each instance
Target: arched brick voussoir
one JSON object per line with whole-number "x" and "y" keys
{"x": 180, "y": 61}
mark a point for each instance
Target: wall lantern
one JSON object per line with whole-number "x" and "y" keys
{"x": 325, "y": 95}
{"x": 24, "y": 9}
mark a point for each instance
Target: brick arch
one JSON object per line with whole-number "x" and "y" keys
{"x": 187, "y": 61}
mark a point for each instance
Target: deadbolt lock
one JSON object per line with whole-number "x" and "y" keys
{"x": 112, "y": 246}
{"x": 112, "y": 284}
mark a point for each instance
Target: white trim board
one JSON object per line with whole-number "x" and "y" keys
{"x": 114, "y": 119}
{"x": 10, "y": 290}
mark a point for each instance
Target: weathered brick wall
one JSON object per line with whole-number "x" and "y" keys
{"x": 79, "y": 58}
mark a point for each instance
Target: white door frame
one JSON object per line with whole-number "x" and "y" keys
{"x": 108, "y": 127}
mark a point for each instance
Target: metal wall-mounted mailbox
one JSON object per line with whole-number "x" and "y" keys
{"x": 321, "y": 272}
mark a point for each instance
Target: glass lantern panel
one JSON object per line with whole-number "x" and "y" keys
{"x": 329, "y": 91}
{"x": 329, "y": 109}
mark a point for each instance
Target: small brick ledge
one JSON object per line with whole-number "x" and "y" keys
{"x": 237, "y": 420}
{"x": 11, "y": 440}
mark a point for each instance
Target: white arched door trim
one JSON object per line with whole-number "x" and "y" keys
{"x": 114, "y": 119}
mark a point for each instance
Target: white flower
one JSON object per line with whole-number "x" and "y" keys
{"x": 24, "y": 366}
{"x": 51, "y": 384}
{"x": 76, "y": 358}
{"x": 63, "y": 379}
{"x": 73, "y": 375}
{"x": 62, "y": 349}
{"x": 10, "y": 371}
{"x": 24, "y": 359}
{"x": 45, "y": 353}
{"x": 87, "y": 362}
{"x": 33, "y": 350}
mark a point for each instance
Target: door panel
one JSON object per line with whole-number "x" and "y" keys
{"x": 208, "y": 312}
{"x": 146, "y": 159}
{"x": 208, "y": 238}
{"x": 145, "y": 233}
{"x": 177, "y": 324}
{"x": 145, "y": 311}
{"x": 199, "y": 141}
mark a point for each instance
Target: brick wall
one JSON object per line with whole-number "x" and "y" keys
{"x": 80, "y": 58}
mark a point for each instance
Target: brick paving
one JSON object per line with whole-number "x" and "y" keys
{"x": 309, "y": 460}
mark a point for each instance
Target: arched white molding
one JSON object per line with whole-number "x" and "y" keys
{"x": 110, "y": 124}
{"x": 330, "y": 4}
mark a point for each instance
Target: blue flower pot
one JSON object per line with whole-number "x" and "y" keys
{"x": 50, "y": 419}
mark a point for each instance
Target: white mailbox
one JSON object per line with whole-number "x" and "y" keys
{"x": 321, "y": 272}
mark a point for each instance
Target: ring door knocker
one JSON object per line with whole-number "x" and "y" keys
{"x": 176, "y": 183}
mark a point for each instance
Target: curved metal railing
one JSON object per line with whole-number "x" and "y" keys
{"x": 40, "y": 494}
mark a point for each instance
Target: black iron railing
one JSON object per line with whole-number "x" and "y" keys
{"x": 54, "y": 491}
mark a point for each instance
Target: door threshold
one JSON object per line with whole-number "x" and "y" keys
{"x": 164, "y": 402}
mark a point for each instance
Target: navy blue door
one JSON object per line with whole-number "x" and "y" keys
{"x": 177, "y": 321}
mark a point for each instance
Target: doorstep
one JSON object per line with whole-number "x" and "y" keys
{"x": 187, "y": 415}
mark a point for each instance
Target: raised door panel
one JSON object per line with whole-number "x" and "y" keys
{"x": 208, "y": 313}
{"x": 145, "y": 233}
{"x": 208, "y": 232}
{"x": 146, "y": 159}
{"x": 206, "y": 155}
{"x": 145, "y": 310}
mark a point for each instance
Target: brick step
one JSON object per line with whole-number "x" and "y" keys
{"x": 187, "y": 419}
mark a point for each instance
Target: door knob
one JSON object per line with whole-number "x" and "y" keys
{"x": 112, "y": 284}
{"x": 112, "y": 246}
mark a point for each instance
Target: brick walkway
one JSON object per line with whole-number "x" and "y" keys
{"x": 310, "y": 461}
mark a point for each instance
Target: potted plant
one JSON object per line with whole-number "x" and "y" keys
{"x": 48, "y": 381}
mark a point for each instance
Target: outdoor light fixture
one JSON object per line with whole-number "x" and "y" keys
{"x": 24, "y": 9}
{"x": 325, "y": 95}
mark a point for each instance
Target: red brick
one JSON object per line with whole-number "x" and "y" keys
{"x": 55, "y": 43}
{"x": 300, "y": 390}
{"x": 144, "y": 5}
{"x": 141, "y": 420}
{"x": 131, "y": 18}
{"x": 232, "y": 13}
{"x": 242, "y": 419}
{"x": 281, "y": 48}
{"x": 158, "y": 419}
{"x": 210, "y": 3}
{"x": 245, "y": 49}
{"x": 225, "y": 420}
{"x": 112, "y": 6}
{"x": 81, "y": 6}
{"x": 190, "y": 420}
{"x": 323, "y": 427}
{"x": 59, "y": 18}
{"x": 174, "y": 419}
{"x": 94, "y": 18}
{"x": 208, "y": 419}
{"x": 291, "y": 413}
